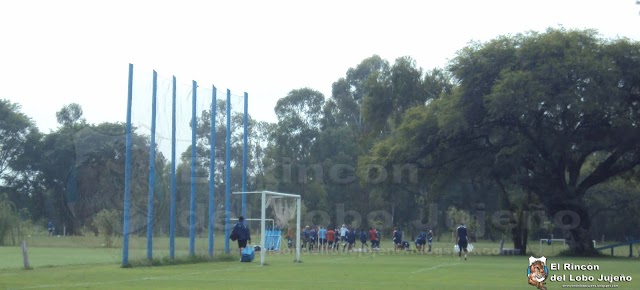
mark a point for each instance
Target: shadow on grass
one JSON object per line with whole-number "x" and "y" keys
{"x": 167, "y": 261}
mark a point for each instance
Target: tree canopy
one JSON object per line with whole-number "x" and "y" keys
{"x": 532, "y": 110}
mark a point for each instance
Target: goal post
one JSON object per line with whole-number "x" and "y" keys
{"x": 263, "y": 218}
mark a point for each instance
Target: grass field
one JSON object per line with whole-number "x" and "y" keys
{"x": 76, "y": 263}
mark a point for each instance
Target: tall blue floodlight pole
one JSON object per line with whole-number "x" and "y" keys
{"x": 152, "y": 167}
{"x": 127, "y": 173}
{"x": 192, "y": 214}
{"x": 172, "y": 218}
{"x": 212, "y": 170}
{"x": 244, "y": 156}
{"x": 227, "y": 176}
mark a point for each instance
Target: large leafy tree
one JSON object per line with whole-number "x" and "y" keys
{"x": 255, "y": 148}
{"x": 531, "y": 110}
{"x": 15, "y": 128}
{"x": 19, "y": 153}
{"x": 82, "y": 169}
{"x": 295, "y": 137}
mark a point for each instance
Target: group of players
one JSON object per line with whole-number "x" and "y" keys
{"x": 320, "y": 238}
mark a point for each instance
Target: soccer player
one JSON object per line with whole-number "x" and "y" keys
{"x": 312, "y": 238}
{"x": 363, "y": 239}
{"x": 372, "y": 237}
{"x": 290, "y": 237}
{"x": 351, "y": 238}
{"x": 429, "y": 239}
{"x": 50, "y": 227}
{"x": 397, "y": 238}
{"x": 331, "y": 238}
{"x": 343, "y": 236}
{"x": 305, "y": 237}
{"x": 421, "y": 240}
{"x": 322, "y": 238}
{"x": 462, "y": 240}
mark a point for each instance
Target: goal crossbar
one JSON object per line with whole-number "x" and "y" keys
{"x": 263, "y": 217}
{"x": 272, "y": 221}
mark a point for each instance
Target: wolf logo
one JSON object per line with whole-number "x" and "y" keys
{"x": 537, "y": 272}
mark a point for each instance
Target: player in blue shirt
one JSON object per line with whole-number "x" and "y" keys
{"x": 313, "y": 235}
{"x": 462, "y": 240}
{"x": 322, "y": 238}
{"x": 306, "y": 235}
{"x": 420, "y": 241}
{"x": 50, "y": 227}
{"x": 363, "y": 239}
{"x": 397, "y": 238}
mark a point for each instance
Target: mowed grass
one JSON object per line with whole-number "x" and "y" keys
{"x": 76, "y": 267}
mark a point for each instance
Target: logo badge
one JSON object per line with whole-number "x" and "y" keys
{"x": 537, "y": 272}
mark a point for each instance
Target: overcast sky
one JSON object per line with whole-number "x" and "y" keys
{"x": 54, "y": 53}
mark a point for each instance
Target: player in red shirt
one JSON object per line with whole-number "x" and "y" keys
{"x": 331, "y": 237}
{"x": 373, "y": 237}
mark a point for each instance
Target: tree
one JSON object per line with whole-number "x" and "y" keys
{"x": 9, "y": 219}
{"x": 295, "y": 138}
{"x": 532, "y": 110}
{"x": 70, "y": 115}
{"x": 15, "y": 128}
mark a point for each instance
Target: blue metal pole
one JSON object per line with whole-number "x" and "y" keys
{"x": 227, "y": 176}
{"x": 172, "y": 218}
{"x": 244, "y": 156}
{"x": 127, "y": 174}
{"x": 192, "y": 214}
{"x": 212, "y": 171}
{"x": 152, "y": 167}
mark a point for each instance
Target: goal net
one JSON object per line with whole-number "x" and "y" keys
{"x": 285, "y": 207}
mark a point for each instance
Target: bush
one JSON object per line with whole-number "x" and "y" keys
{"x": 107, "y": 222}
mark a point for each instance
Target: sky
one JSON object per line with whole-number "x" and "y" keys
{"x": 54, "y": 53}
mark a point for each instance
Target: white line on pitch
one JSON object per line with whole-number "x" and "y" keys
{"x": 434, "y": 267}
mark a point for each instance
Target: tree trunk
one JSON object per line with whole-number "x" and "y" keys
{"x": 572, "y": 217}
{"x": 580, "y": 242}
{"x": 520, "y": 233}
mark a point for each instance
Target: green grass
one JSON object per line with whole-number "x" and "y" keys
{"x": 74, "y": 263}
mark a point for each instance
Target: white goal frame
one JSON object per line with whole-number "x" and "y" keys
{"x": 263, "y": 218}
{"x": 564, "y": 243}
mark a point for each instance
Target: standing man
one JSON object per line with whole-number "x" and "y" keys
{"x": 331, "y": 238}
{"x": 462, "y": 240}
{"x": 343, "y": 235}
{"x": 322, "y": 238}
{"x": 429, "y": 239}
{"x": 244, "y": 235}
{"x": 363, "y": 239}
{"x": 290, "y": 237}
{"x": 313, "y": 237}
{"x": 397, "y": 238}
{"x": 372, "y": 237}
{"x": 306, "y": 234}
{"x": 50, "y": 227}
